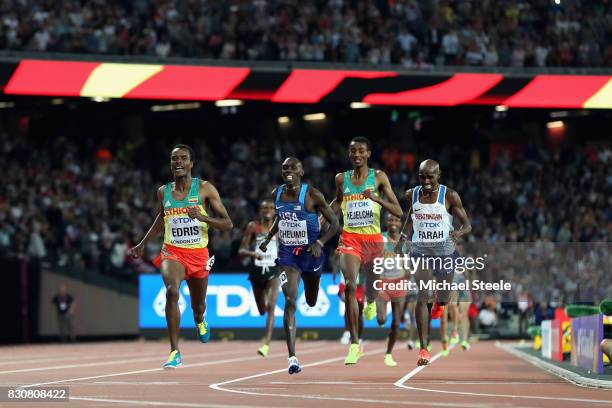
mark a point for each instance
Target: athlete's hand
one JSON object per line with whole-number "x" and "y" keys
{"x": 193, "y": 212}
{"x": 137, "y": 251}
{"x": 399, "y": 247}
{"x": 315, "y": 249}
{"x": 257, "y": 256}
{"x": 455, "y": 235}
{"x": 264, "y": 246}
{"x": 371, "y": 195}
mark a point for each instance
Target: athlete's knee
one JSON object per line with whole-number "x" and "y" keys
{"x": 290, "y": 303}
{"x": 395, "y": 324}
{"x": 172, "y": 294}
{"x": 350, "y": 288}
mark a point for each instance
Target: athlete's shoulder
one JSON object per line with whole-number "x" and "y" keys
{"x": 380, "y": 175}
{"x": 408, "y": 193}
{"x": 340, "y": 177}
{"x": 251, "y": 226}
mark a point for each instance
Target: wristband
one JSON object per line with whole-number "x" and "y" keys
{"x": 318, "y": 241}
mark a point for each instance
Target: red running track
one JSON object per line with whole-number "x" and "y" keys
{"x": 231, "y": 374}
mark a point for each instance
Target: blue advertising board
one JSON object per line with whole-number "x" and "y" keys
{"x": 230, "y": 303}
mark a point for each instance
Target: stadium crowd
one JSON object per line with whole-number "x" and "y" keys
{"x": 74, "y": 206}
{"x": 421, "y": 34}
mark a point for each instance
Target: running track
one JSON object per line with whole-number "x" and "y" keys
{"x": 231, "y": 374}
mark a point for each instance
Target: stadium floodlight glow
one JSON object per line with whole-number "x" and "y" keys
{"x": 223, "y": 103}
{"x": 282, "y": 120}
{"x": 559, "y": 114}
{"x": 557, "y": 2}
{"x": 314, "y": 116}
{"x": 177, "y": 106}
{"x": 360, "y": 105}
{"x": 501, "y": 108}
{"x": 555, "y": 124}
{"x": 100, "y": 99}
{"x": 4, "y": 105}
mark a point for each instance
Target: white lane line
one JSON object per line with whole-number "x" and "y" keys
{"x": 377, "y": 401}
{"x": 418, "y": 369}
{"x": 401, "y": 381}
{"x": 163, "y": 404}
{"x": 65, "y": 358}
{"x": 151, "y": 370}
{"x": 97, "y": 363}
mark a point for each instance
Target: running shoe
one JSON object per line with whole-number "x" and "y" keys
{"x": 353, "y": 355}
{"x": 454, "y": 339}
{"x": 203, "y": 331}
{"x": 389, "y": 362}
{"x": 294, "y": 365}
{"x": 445, "y": 350}
{"x": 346, "y": 338}
{"x": 465, "y": 345}
{"x": 429, "y": 346}
{"x": 173, "y": 361}
{"x": 263, "y": 350}
{"x": 436, "y": 311}
{"x": 361, "y": 347}
{"x": 370, "y": 310}
{"x": 410, "y": 344}
{"x": 424, "y": 357}
{"x": 417, "y": 344}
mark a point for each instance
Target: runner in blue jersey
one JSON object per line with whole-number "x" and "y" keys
{"x": 301, "y": 242}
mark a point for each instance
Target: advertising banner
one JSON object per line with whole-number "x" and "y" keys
{"x": 587, "y": 334}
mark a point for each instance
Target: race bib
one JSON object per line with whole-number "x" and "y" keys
{"x": 268, "y": 257}
{"x": 429, "y": 228}
{"x": 293, "y": 233}
{"x": 185, "y": 231}
{"x": 360, "y": 213}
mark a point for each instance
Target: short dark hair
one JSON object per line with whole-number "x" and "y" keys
{"x": 185, "y": 147}
{"x": 361, "y": 139}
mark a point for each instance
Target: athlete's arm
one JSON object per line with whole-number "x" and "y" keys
{"x": 247, "y": 238}
{"x": 337, "y": 201}
{"x": 324, "y": 209}
{"x": 156, "y": 228}
{"x": 407, "y": 224}
{"x": 273, "y": 229}
{"x": 459, "y": 212}
{"x": 390, "y": 202}
{"x": 209, "y": 193}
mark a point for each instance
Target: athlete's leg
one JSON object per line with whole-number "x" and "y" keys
{"x": 381, "y": 311}
{"x": 397, "y": 307}
{"x": 444, "y": 330}
{"x": 421, "y": 310}
{"x": 290, "y": 285}
{"x": 464, "y": 320}
{"x": 311, "y": 287}
{"x": 271, "y": 296}
{"x": 350, "y": 265}
{"x": 197, "y": 292}
{"x": 173, "y": 273}
{"x": 360, "y": 307}
{"x": 259, "y": 293}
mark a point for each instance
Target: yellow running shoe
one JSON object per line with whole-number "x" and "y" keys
{"x": 389, "y": 362}
{"x": 353, "y": 355}
{"x": 263, "y": 350}
{"x": 445, "y": 350}
{"x": 370, "y": 310}
{"x": 454, "y": 339}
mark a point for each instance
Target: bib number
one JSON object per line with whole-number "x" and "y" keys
{"x": 185, "y": 231}
{"x": 293, "y": 233}
{"x": 360, "y": 213}
{"x": 268, "y": 257}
